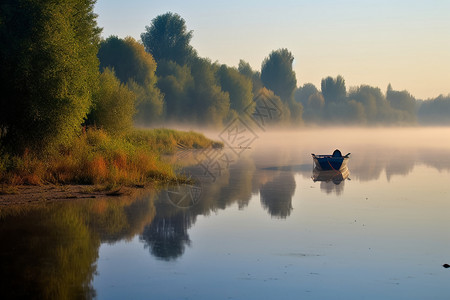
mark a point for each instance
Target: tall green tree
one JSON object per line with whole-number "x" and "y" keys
{"x": 49, "y": 70}
{"x": 435, "y": 111}
{"x": 403, "y": 102}
{"x": 113, "y": 106}
{"x": 238, "y": 86}
{"x": 245, "y": 69}
{"x": 377, "y": 109}
{"x": 208, "y": 102}
{"x": 303, "y": 93}
{"x": 115, "y": 53}
{"x": 168, "y": 38}
{"x": 333, "y": 89}
{"x": 175, "y": 82}
{"x": 277, "y": 74}
{"x": 313, "y": 107}
{"x": 135, "y": 67}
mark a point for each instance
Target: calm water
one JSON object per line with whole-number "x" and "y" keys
{"x": 256, "y": 227}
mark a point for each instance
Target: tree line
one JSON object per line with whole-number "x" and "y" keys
{"x": 59, "y": 76}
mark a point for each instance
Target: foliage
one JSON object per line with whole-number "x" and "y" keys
{"x": 245, "y": 69}
{"x": 167, "y": 140}
{"x": 175, "y": 82}
{"x": 313, "y": 108}
{"x": 49, "y": 70}
{"x": 149, "y": 103}
{"x": 116, "y": 54}
{"x": 435, "y": 111}
{"x": 113, "y": 107}
{"x": 285, "y": 114}
{"x": 137, "y": 68}
{"x": 95, "y": 157}
{"x": 238, "y": 87}
{"x": 403, "y": 102}
{"x": 303, "y": 93}
{"x": 208, "y": 102}
{"x": 168, "y": 38}
{"x": 333, "y": 89}
{"x": 375, "y": 105}
{"x": 277, "y": 74}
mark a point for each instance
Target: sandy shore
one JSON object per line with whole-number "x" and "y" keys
{"x": 16, "y": 195}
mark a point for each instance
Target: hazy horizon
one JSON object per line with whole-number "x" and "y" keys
{"x": 367, "y": 42}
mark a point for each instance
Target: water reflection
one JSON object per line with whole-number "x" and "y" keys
{"x": 50, "y": 251}
{"x": 276, "y": 195}
{"x": 167, "y": 235}
{"x": 331, "y": 180}
{"x": 47, "y": 253}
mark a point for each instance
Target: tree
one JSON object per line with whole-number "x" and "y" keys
{"x": 435, "y": 111}
{"x": 314, "y": 107}
{"x": 377, "y": 109}
{"x": 149, "y": 103}
{"x": 115, "y": 53}
{"x": 208, "y": 102}
{"x": 137, "y": 68}
{"x": 113, "y": 107}
{"x": 245, "y": 69}
{"x": 402, "y": 101}
{"x": 302, "y": 94}
{"x": 175, "y": 82}
{"x": 277, "y": 113}
{"x": 334, "y": 90}
{"x": 238, "y": 86}
{"x": 49, "y": 70}
{"x": 168, "y": 38}
{"x": 277, "y": 74}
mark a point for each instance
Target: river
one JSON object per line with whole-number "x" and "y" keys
{"x": 255, "y": 223}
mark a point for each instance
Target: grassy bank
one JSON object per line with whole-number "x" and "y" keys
{"x": 96, "y": 157}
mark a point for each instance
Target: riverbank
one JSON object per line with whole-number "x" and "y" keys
{"x": 38, "y": 194}
{"x": 96, "y": 164}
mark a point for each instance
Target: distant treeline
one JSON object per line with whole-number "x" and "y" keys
{"x": 173, "y": 83}
{"x": 58, "y": 75}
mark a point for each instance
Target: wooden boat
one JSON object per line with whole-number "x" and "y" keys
{"x": 330, "y": 162}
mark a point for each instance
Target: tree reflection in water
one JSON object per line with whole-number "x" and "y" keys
{"x": 167, "y": 235}
{"x": 47, "y": 253}
{"x": 276, "y": 195}
{"x": 50, "y": 251}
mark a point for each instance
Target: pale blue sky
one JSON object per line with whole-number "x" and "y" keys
{"x": 406, "y": 43}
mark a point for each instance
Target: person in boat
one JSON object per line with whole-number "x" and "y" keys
{"x": 337, "y": 153}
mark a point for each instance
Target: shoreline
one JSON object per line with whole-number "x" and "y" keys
{"x": 49, "y": 193}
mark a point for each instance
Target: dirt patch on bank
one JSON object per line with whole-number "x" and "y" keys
{"x": 28, "y": 194}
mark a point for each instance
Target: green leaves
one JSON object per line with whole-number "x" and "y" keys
{"x": 49, "y": 73}
{"x": 277, "y": 74}
{"x": 168, "y": 38}
{"x": 136, "y": 68}
{"x": 113, "y": 108}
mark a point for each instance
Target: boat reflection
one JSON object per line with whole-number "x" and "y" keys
{"x": 331, "y": 180}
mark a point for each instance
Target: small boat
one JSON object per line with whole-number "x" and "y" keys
{"x": 330, "y": 162}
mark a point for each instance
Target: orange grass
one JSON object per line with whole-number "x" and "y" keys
{"x": 97, "y": 158}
